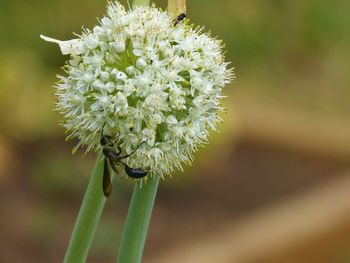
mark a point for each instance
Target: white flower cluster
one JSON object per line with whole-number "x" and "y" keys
{"x": 143, "y": 79}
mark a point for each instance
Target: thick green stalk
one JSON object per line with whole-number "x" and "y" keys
{"x": 88, "y": 217}
{"x": 137, "y": 221}
{"x": 176, "y": 7}
{"x": 140, "y": 211}
{"x": 139, "y": 2}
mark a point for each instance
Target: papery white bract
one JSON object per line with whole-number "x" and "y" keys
{"x": 72, "y": 47}
{"x": 147, "y": 81}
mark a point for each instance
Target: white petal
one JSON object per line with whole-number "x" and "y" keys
{"x": 73, "y": 46}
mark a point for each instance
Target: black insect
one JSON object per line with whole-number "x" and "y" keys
{"x": 114, "y": 158}
{"x": 179, "y": 18}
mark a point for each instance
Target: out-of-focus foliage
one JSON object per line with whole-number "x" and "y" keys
{"x": 294, "y": 52}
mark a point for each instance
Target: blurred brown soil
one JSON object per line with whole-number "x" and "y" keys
{"x": 224, "y": 189}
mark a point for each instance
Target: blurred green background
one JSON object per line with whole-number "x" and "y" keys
{"x": 286, "y": 134}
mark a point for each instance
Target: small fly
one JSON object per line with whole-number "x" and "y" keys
{"x": 179, "y": 18}
{"x": 114, "y": 158}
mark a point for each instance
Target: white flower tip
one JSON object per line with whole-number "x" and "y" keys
{"x": 68, "y": 47}
{"x": 49, "y": 39}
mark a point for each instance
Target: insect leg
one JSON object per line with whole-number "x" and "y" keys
{"x": 128, "y": 155}
{"x": 119, "y": 150}
{"x": 103, "y": 127}
{"x": 114, "y": 167}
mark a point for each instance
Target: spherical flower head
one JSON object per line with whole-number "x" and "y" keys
{"x": 150, "y": 84}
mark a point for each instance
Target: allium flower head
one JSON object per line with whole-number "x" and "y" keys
{"x": 144, "y": 80}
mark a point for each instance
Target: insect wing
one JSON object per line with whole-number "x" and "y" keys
{"x": 106, "y": 181}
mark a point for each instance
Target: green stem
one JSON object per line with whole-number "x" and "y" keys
{"x": 88, "y": 217}
{"x": 140, "y": 210}
{"x": 136, "y": 3}
{"x": 137, "y": 222}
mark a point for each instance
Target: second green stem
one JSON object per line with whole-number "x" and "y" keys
{"x": 137, "y": 221}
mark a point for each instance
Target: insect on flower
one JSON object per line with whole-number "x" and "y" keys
{"x": 179, "y": 18}
{"x": 164, "y": 77}
{"x": 114, "y": 158}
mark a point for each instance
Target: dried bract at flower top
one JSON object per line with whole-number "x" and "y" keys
{"x": 146, "y": 81}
